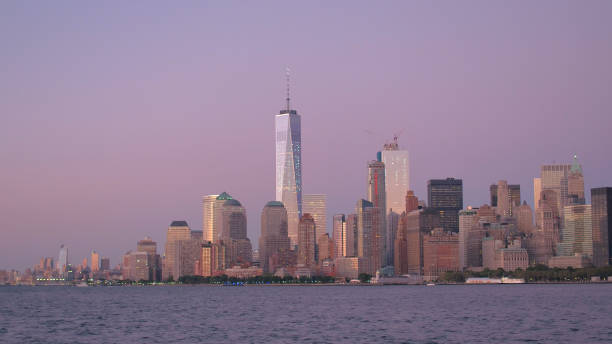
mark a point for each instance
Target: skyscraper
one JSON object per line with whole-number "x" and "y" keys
{"x": 234, "y": 232}
{"x": 95, "y": 261}
{"x": 306, "y": 241}
{"x": 339, "y": 234}
{"x": 213, "y": 216}
{"x": 412, "y": 202}
{"x": 177, "y": 231}
{"x": 446, "y": 197}
{"x": 62, "y": 260}
{"x": 316, "y": 206}
{"x": 274, "y": 239}
{"x": 377, "y": 195}
{"x": 601, "y": 203}
{"x": 577, "y": 231}
{"x": 368, "y": 243}
{"x": 537, "y": 190}
{"x": 397, "y": 176}
{"x": 289, "y": 165}
{"x": 149, "y": 246}
{"x": 566, "y": 181}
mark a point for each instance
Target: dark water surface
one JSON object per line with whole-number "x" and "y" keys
{"x": 323, "y": 314}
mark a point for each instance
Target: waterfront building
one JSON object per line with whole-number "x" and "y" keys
{"x": 577, "y": 261}
{"x": 601, "y": 205}
{"x": 496, "y": 255}
{"x": 440, "y": 253}
{"x": 177, "y": 231}
{"x": 95, "y": 261}
{"x": 446, "y": 197}
{"x": 392, "y": 224}
{"x": 154, "y": 261}
{"x": 418, "y": 222}
{"x": 351, "y": 267}
{"x": 234, "y": 232}
{"x": 468, "y": 219}
{"x": 208, "y": 259}
{"x": 397, "y": 176}
{"x": 289, "y": 166}
{"x": 368, "y": 241}
{"x": 577, "y": 231}
{"x": 306, "y": 241}
{"x": 400, "y": 251}
{"x": 136, "y": 266}
{"x": 316, "y": 206}
{"x": 352, "y": 235}
{"x": 274, "y": 238}
{"x": 243, "y": 273}
{"x": 377, "y": 195}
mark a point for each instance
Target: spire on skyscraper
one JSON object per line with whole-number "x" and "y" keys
{"x": 288, "y": 74}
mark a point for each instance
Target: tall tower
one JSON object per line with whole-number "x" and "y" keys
{"x": 177, "y": 231}
{"x": 62, "y": 261}
{"x": 95, "y": 261}
{"x": 316, "y": 205}
{"x": 306, "y": 241}
{"x": 446, "y": 197}
{"x": 377, "y": 195}
{"x": 273, "y": 241}
{"x": 289, "y": 165}
{"x": 397, "y": 176}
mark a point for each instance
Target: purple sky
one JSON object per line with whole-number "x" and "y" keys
{"x": 115, "y": 120}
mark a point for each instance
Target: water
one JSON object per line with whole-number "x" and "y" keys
{"x": 323, "y": 314}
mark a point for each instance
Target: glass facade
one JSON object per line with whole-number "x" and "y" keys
{"x": 316, "y": 205}
{"x": 446, "y": 197}
{"x": 289, "y": 167}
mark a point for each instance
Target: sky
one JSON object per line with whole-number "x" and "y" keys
{"x": 117, "y": 117}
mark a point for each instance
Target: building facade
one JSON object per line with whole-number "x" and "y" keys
{"x": 316, "y": 206}
{"x": 601, "y": 203}
{"x": 446, "y": 197}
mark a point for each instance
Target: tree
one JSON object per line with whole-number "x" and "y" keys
{"x": 364, "y": 278}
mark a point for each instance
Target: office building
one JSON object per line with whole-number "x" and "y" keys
{"x": 177, "y": 231}
{"x": 601, "y": 205}
{"x": 377, "y": 195}
{"x": 397, "y": 176}
{"x": 274, "y": 238}
{"x": 289, "y": 166}
{"x": 339, "y": 234}
{"x": 577, "y": 231}
{"x": 446, "y": 197}
{"x": 306, "y": 241}
{"x": 95, "y": 261}
{"x": 62, "y": 260}
{"x": 149, "y": 246}
{"x": 440, "y": 253}
{"x": 316, "y": 206}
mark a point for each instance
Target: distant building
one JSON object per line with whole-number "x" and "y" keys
{"x": 440, "y": 253}
{"x": 326, "y": 248}
{"x": 377, "y": 195}
{"x": 62, "y": 260}
{"x": 412, "y": 202}
{"x": 577, "y": 231}
{"x": 468, "y": 219}
{"x": 392, "y": 224}
{"x": 243, "y": 273}
{"x": 418, "y": 223}
{"x": 136, "y": 266}
{"x": 351, "y": 267}
{"x": 177, "y": 231}
{"x": 397, "y": 176}
{"x": 105, "y": 264}
{"x": 149, "y": 246}
{"x": 401, "y": 248}
{"x": 289, "y": 167}
{"x": 601, "y": 203}
{"x": 537, "y": 190}
{"x": 524, "y": 216}
{"x": 507, "y": 199}
{"x": 368, "y": 241}
{"x": 274, "y": 238}
{"x": 495, "y": 255}
{"x": 577, "y": 261}
{"x": 446, "y": 197}
{"x": 95, "y": 261}
{"x": 316, "y": 206}
{"x": 339, "y": 234}
{"x": 566, "y": 181}
{"x": 234, "y": 232}
{"x": 306, "y": 241}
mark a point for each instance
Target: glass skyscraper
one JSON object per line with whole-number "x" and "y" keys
{"x": 289, "y": 167}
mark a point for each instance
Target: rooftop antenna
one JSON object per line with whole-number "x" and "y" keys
{"x": 288, "y": 74}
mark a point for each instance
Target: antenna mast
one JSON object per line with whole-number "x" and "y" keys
{"x": 288, "y": 94}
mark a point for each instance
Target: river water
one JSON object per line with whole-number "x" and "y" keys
{"x": 548, "y": 313}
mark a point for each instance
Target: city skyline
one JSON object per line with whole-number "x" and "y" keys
{"x": 102, "y": 177}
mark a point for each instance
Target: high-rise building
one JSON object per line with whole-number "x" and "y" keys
{"x": 467, "y": 220}
{"x": 233, "y": 232}
{"x": 274, "y": 238}
{"x": 367, "y": 243}
{"x": 392, "y": 223}
{"x": 400, "y": 252}
{"x": 493, "y": 195}
{"x": 208, "y": 256}
{"x": 524, "y": 218}
{"x": 339, "y": 234}
{"x": 316, "y": 206}
{"x": 412, "y": 201}
{"x": 507, "y": 199}
{"x": 95, "y": 261}
{"x": 177, "y": 231}
{"x": 62, "y": 260}
{"x": 377, "y": 195}
{"x": 547, "y": 235}
{"x": 440, "y": 253}
{"x": 352, "y": 235}
{"x": 105, "y": 264}
{"x": 212, "y": 210}
{"x": 577, "y": 231}
{"x": 566, "y": 181}
{"x": 289, "y": 166}
{"x": 397, "y": 176}
{"x": 537, "y": 190}
{"x": 136, "y": 266}
{"x": 306, "y": 241}
{"x": 601, "y": 204}
{"x": 417, "y": 223}
{"x": 446, "y": 197}
{"x": 149, "y": 246}
{"x": 325, "y": 246}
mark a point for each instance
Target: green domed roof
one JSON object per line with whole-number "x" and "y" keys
{"x": 274, "y": 204}
{"x": 233, "y": 202}
{"x": 224, "y": 196}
